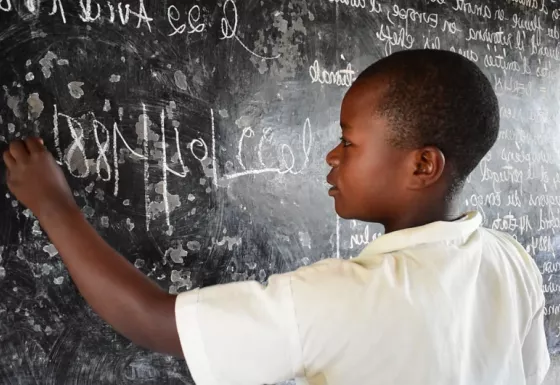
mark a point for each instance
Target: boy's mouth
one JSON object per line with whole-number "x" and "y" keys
{"x": 334, "y": 189}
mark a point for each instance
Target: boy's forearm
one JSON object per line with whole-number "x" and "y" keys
{"x": 124, "y": 297}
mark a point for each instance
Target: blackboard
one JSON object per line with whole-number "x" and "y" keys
{"x": 194, "y": 134}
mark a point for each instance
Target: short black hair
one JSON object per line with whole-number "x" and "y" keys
{"x": 442, "y": 99}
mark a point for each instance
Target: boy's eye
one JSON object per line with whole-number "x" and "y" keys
{"x": 344, "y": 142}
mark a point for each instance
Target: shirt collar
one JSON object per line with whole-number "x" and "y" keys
{"x": 440, "y": 231}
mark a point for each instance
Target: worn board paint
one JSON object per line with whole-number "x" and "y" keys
{"x": 194, "y": 134}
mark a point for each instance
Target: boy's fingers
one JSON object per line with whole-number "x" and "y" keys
{"x": 18, "y": 150}
{"x": 9, "y": 159}
{"x": 34, "y": 144}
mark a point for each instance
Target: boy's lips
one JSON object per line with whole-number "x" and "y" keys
{"x": 334, "y": 189}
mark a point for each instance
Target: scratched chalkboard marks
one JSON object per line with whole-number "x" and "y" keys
{"x": 194, "y": 135}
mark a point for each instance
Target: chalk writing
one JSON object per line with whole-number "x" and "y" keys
{"x": 548, "y": 221}
{"x": 392, "y": 38}
{"x": 57, "y": 8}
{"x": 550, "y": 267}
{"x": 510, "y": 223}
{"x": 229, "y": 31}
{"x": 5, "y": 5}
{"x": 194, "y": 14}
{"x": 541, "y": 243}
{"x": 494, "y": 37}
{"x": 287, "y": 158}
{"x": 530, "y": 25}
{"x": 500, "y": 60}
{"x": 351, "y": 3}
{"x": 89, "y": 15}
{"x": 512, "y": 85}
{"x": 344, "y": 77}
{"x": 469, "y": 8}
{"x": 363, "y": 238}
{"x": 411, "y": 14}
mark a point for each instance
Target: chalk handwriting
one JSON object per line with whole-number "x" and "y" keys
{"x": 548, "y": 221}
{"x": 351, "y": 3}
{"x": 552, "y": 309}
{"x": 492, "y": 199}
{"x": 411, "y": 14}
{"x": 513, "y": 199}
{"x": 551, "y": 287}
{"x": 510, "y": 223}
{"x": 530, "y": 25}
{"x": 500, "y": 15}
{"x": 432, "y": 43}
{"x": 363, "y": 239}
{"x": 544, "y": 200}
{"x": 541, "y": 243}
{"x": 286, "y": 156}
{"x": 391, "y": 38}
{"x": 229, "y": 31}
{"x": 344, "y": 77}
{"x": 507, "y": 175}
{"x": 468, "y": 8}
{"x": 466, "y": 52}
{"x": 493, "y": 37}
{"x": 527, "y": 3}
{"x": 500, "y": 60}
{"x": 57, "y": 7}
{"x": 450, "y": 27}
{"x": 375, "y": 6}
{"x": 5, "y": 5}
{"x": 550, "y": 267}
{"x": 512, "y": 85}
{"x": 89, "y": 15}
{"x": 526, "y": 157}
{"x": 194, "y": 14}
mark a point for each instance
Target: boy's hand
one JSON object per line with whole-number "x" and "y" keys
{"x": 35, "y": 179}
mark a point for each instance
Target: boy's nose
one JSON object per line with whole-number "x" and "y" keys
{"x": 332, "y": 158}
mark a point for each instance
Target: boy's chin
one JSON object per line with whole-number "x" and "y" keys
{"x": 343, "y": 212}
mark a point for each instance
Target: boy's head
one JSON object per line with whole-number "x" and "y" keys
{"x": 414, "y": 126}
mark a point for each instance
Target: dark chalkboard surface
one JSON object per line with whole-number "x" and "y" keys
{"x": 194, "y": 134}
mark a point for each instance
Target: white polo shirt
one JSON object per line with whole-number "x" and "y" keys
{"x": 448, "y": 303}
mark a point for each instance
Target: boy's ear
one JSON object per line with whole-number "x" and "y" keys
{"x": 427, "y": 166}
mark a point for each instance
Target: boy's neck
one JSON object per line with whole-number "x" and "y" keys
{"x": 422, "y": 215}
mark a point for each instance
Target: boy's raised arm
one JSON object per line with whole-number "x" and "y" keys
{"x": 124, "y": 297}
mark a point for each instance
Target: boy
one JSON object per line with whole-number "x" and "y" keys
{"x": 437, "y": 300}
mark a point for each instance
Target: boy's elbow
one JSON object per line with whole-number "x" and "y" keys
{"x": 156, "y": 328}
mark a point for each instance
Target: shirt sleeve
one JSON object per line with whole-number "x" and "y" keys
{"x": 536, "y": 359}
{"x": 240, "y": 333}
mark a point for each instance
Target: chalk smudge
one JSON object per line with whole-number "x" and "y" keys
{"x": 36, "y": 106}
{"x": 50, "y": 249}
{"x": 180, "y": 279}
{"x": 47, "y": 64}
{"x": 105, "y": 221}
{"x": 75, "y": 89}
{"x": 129, "y": 224}
{"x": 193, "y": 245}
{"x": 177, "y": 253}
{"x": 181, "y": 80}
